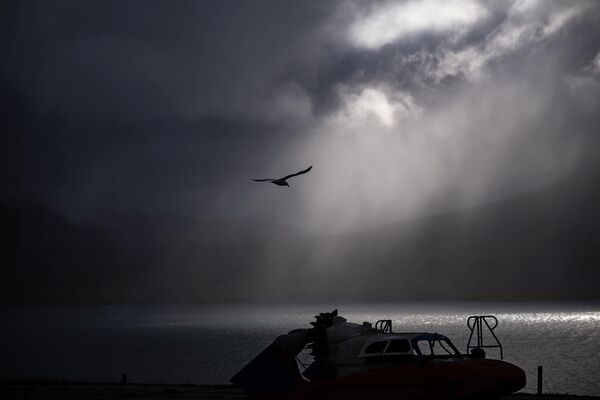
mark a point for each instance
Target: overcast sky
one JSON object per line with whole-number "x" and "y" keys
{"x": 405, "y": 108}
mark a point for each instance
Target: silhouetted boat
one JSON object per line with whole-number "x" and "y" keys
{"x": 353, "y": 361}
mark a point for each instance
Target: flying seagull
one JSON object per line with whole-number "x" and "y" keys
{"x": 282, "y": 181}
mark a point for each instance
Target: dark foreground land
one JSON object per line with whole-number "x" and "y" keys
{"x": 98, "y": 391}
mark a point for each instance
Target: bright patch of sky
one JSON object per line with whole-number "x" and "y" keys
{"x": 595, "y": 64}
{"x": 373, "y": 107}
{"x": 528, "y": 22}
{"x": 399, "y": 20}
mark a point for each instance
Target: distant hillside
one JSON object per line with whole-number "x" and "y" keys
{"x": 125, "y": 258}
{"x": 544, "y": 245}
{"x": 51, "y": 260}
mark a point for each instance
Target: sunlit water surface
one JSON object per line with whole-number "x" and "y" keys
{"x": 209, "y": 343}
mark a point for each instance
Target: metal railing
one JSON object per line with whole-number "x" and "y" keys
{"x": 384, "y": 326}
{"x": 476, "y": 324}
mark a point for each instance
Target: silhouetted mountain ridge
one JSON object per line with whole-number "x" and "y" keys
{"x": 539, "y": 246}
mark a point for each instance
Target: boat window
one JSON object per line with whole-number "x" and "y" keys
{"x": 376, "y": 347}
{"x": 446, "y": 346}
{"x": 434, "y": 347}
{"x": 424, "y": 348}
{"x": 398, "y": 346}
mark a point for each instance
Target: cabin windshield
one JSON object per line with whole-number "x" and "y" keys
{"x": 434, "y": 347}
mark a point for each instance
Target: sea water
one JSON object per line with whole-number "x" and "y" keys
{"x": 208, "y": 343}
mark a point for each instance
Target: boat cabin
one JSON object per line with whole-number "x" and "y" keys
{"x": 355, "y": 347}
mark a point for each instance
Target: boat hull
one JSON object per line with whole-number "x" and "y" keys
{"x": 425, "y": 379}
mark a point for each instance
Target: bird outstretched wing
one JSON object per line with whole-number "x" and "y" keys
{"x": 297, "y": 173}
{"x": 262, "y": 180}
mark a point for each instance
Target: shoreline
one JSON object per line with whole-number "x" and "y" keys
{"x": 50, "y": 390}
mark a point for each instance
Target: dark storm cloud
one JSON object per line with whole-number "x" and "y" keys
{"x": 132, "y": 61}
{"x": 113, "y": 83}
{"x": 132, "y": 80}
{"x": 406, "y": 109}
{"x": 457, "y": 109}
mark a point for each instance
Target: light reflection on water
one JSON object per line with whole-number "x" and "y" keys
{"x": 208, "y": 344}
